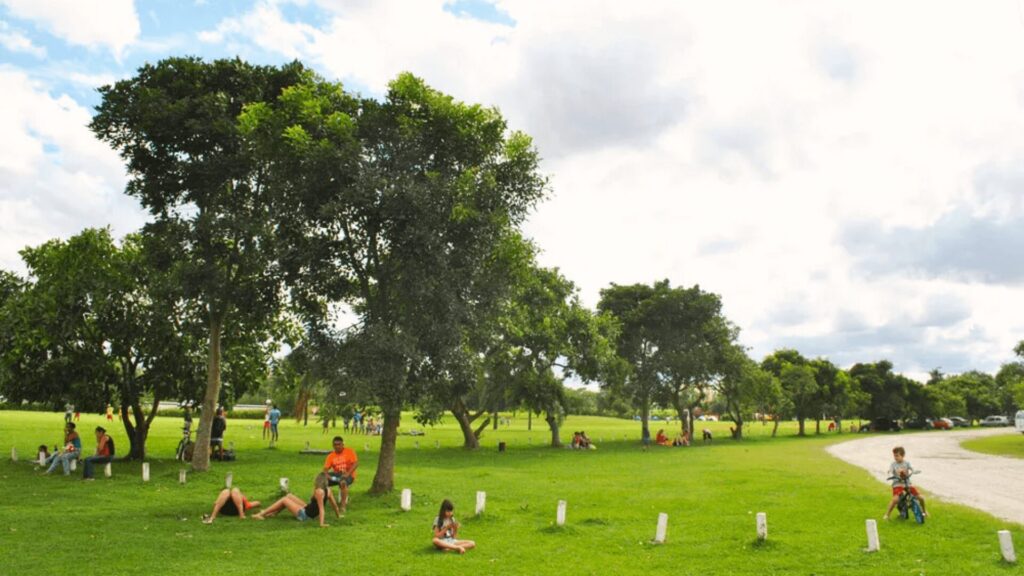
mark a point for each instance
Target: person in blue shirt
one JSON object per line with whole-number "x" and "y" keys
{"x": 275, "y": 417}
{"x": 72, "y": 450}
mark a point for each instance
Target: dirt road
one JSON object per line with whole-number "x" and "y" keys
{"x": 993, "y": 484}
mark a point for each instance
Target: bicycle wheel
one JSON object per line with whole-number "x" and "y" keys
{"x": 918, "y": 513}
{"x": 902, "y": 507}
{"x": 179, "y": 454}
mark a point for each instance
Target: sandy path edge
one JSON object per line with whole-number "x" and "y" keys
{"x": 992, "y": 484}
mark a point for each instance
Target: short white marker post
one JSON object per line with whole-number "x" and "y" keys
{"x": 762, "y": 526}
{"x": 366, "y": 446}
{"x": 14, "y": 454}
{"x": 417, "y": 443}
{"x": 228, "y": 479}
{"x": 42, "y": 458}
{"x": 307, "y": 445}
{"x": 107, "y": 472}
{"x": 283, "y": 483}
{"x": 406, "y": 499}
{"x": 437, "y": 443}
{"x": 182, "y": 476}
{"x": 873, "y": 544}
{"x": 145, "y": 471}
{"x": 1006, "y": 546}
{"x": 481, "y": 501}
{"x": 560, "y": 516}
{"x": 659, "y": 536}
{"x": 74, "y": 464}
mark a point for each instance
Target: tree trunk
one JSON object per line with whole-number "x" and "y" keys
{"x": 201, "y": 457}
{"x": 461, "y": 413}
{"x": 480, "y": 429}
{"x": 384, "y": 479}
{"x": 775, "y": 428}
{"x": 738, "y": 434}
{"x": 839, "y": 425}
{"x": 529, "y": 420}
{"x": 556, "y": 442}
{"x": 801, "y": 424}
{"x": 495, "y": 416}
{"x": 137, "y": 431}
{"x": 645, "y": 416}
{"x": 817, "y": 426}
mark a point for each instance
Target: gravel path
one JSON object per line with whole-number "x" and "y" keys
{"x": 993, "y": 484}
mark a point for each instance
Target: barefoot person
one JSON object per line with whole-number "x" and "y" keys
{"x": 446, "y": 531}
{"x": 230, "y": 502}
{"x": 302, "y": 510}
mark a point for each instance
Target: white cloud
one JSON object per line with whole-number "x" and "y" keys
{"x": 55, "y": 177}
{"x": 110, "y": 24}
{"x": 16, "y": 41}
{"x": 733, "y": 144}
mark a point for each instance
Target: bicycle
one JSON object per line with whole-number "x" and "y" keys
{"x": 185, "y": 446}
{"x": 908, "y": 502}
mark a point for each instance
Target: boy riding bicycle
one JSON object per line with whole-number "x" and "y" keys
{"x": 899, "y": 472}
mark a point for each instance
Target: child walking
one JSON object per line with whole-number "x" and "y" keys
{"x": 446, "y": 529}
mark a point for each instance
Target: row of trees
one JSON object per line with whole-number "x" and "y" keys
{"x": 279, "y": 203}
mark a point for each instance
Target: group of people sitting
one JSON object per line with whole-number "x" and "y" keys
{"x": 339, "y": 470}
{"x": 680, "y": 440}
{"x": 68, "y": 456}
{"x": 580, "y": 441}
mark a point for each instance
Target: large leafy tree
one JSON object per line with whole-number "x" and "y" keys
{"x": 175, "y": 125}
{"x": 91, "y": 328}
{"x": 546, "y": 337}
{"x": 395, "y": 208}
{"x": 745, "y": 388}
{"x": 673, "y": 340}
{"x": 798, "y": 379}
{"x": 979, "y": 391}
{"x": 886, "y": 392}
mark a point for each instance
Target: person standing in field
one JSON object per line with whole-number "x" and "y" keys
{"x": 110, "y": 413}
{"x": 340, "y": 467}
{"x": 275, "y": 418}
{"x": 266, "y": 422}
{"x": 69, "y": 409}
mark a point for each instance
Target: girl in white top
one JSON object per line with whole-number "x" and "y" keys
{"x": 446, "y": 531}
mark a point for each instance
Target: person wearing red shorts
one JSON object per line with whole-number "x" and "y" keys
{"x": 901, "y": 469}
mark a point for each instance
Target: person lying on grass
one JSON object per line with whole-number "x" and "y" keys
{"x": 300, "y": 509}
{"x": 230, "y": 502}
{"x": 446, "y": 528}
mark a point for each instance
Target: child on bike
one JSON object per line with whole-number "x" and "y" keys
{"x": 899, "y": 471}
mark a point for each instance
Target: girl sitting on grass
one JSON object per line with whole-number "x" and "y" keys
{"x": 299, "y": 508}
{"x": 230, "y": 502}
{"x": 446, "y": 528}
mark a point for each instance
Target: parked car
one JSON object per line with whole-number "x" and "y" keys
{"x": 917, "y": 424}
{"x": 942, "y": 424}
{"x": 1019, "y": 421}
{"x": 880, "y": 425}
{"x": 959, "y": 422}
{"x": 995, "y": 421}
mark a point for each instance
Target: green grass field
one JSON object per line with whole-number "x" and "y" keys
{"x": 816, "y": 508}
{"x": 1008, "y": 445}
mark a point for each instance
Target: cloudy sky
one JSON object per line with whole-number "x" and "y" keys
{"x": 849, "y": 176}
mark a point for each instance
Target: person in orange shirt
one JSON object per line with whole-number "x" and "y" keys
{"x": 340, "y": 467}
{"x": 661, "y": 439}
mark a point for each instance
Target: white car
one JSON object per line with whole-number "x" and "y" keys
{"x": 1019, "y": 421}
{"x": 995, "y": 421}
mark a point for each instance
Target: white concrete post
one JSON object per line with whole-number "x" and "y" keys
{"x": 437, "y": 443}
{"x": 107, "y": 470}
{"x": 14, "y": 454}
{"x": 406, "y": 499}
{"x": 1006, "y": 546}
{"x": 283, "y": 483}
{"x": 560, "y": 516}
{"x": 417, "y": 444}
{"x": 659, "y": 536}
{"x": 145, "y": 471}
{"x": 762, "y": 526}
{"x": 873, "y": 544}
{"x": 481, "y": 502}
{"x": 74, "y": 464}
{"x": 42, "y": 458}
{"x": 182, "y": 476}
{"x": 228, "y": 479}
